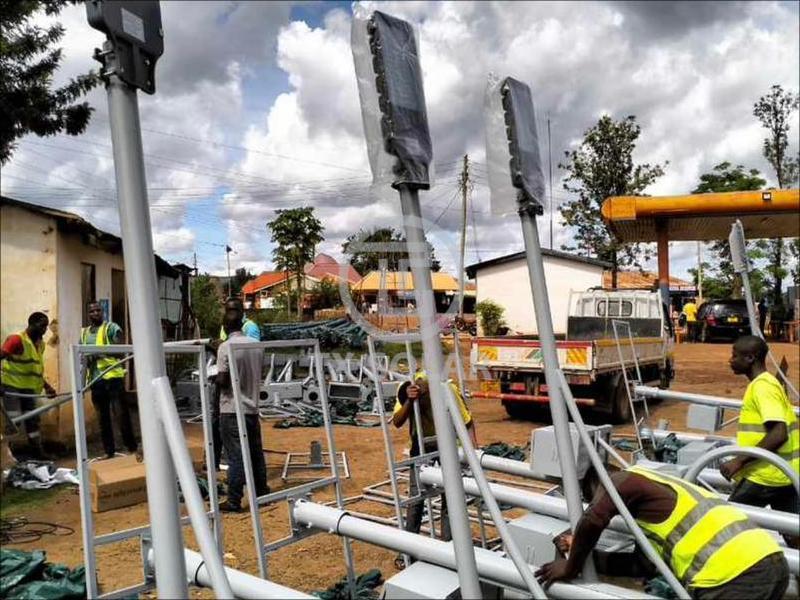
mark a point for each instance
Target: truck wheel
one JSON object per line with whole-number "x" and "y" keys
{"x": 621, "y": 408}
{"x": 516, "y": 410}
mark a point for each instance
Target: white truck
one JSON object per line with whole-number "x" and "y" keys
{"x": 511, "y": 370}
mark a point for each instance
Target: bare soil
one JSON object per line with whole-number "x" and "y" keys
{"x": 317, "y": 562}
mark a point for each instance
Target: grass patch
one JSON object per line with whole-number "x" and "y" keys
{"x": 15, "y": 501}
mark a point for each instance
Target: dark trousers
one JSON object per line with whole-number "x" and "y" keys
{"x": 692, "y": 331}
{"x": 216, "y": 432}
{"x": 18, "y": 405}
{"x": 782, "y": 498}
{"x": 233, "y": 450}
{"x": 765, "y": 580}
{"x": 107, "y": 397}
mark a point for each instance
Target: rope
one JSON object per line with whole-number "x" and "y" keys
{"x": 18, "y": 530}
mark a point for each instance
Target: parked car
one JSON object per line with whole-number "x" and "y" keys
{"x": 722, "y": 318}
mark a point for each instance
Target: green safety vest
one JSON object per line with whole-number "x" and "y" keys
{"x": 25, "y": 371}
{"x": 224, "y": 336}
{"x": 104, "y": 362}
{"x": 705, "y": 541}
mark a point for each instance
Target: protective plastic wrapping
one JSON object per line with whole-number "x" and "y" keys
{"x": 386, "y": 57}
{"x": 741, "y": 263}
{"x": 512, "y": 146}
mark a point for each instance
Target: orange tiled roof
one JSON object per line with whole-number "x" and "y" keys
{"x": 265, "y": 280}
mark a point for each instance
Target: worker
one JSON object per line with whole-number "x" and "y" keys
{"x": 107, "y": 377}
{"x": 249, "y": 328}
{"x": 767, "y": 420}
{"x": 712, "y": 547}
{"x": 690, "y": 312}
{"x": 418, "y": 392}
{"x": 22, "y": 356}
{"x": 248, "y": 367}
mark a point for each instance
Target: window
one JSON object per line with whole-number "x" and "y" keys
{"x": 614, "y": 308}
{"x": 87, "y": 289}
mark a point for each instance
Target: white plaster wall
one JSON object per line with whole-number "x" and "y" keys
{"x": 28, "y": 276}
{"x": 508, "y": 285}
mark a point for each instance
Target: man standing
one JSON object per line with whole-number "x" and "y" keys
{"x": 248, "y": 366}
{"x": 762, "y": 315}
{"x": 109, "y": 381}
{"x": 248, "y": 327}
{"x": 22, "y": 356}
{"x": 690, "y": 311}
{"x": 418, "y": 392}
{"x": 767, "y": 420}
{"x": 713, "y": 548}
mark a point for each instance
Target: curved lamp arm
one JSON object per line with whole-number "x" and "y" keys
{"x": 760, "y": 453}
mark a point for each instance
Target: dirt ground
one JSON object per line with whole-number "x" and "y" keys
{"x": 317, "y": 562}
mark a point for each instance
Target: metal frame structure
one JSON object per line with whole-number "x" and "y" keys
{"x": 300, "y": 491}
{"x": 90, "y": 540}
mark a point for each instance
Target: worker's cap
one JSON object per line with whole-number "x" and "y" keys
{"x": 420, "y": 375}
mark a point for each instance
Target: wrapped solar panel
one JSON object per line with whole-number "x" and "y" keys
{"x": 386, "y": 57}
{"x": 512, "y": 146}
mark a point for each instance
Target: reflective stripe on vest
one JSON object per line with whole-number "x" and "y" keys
{"x": 705, "y": 541}
{"x": 749, "y": 433}
{"x": 25, "y": 371}
{"x": 104, "y": 362}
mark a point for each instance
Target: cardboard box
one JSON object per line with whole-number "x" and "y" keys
{"x": 196, "y": 451}
{"x": 116, "y": 483}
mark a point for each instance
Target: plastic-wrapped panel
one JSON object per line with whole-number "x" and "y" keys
{"x": 512, "y": 146}
{"x": 386, "y": 57}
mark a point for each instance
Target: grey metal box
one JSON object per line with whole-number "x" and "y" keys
{"x": 534, "y": 536}
{"x": 544, "y": 453}
{"x": 423, "y": 581}
{"x": 706, "y": 418}
{"x": 694, "y": 450}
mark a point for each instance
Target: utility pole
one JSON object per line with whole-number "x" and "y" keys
{"x": 550, "y": 166}
{"x": 194, "y": 263}
{"x": 228, "y": 251}
{"x": 464, "y": 183}
{"x": 699, "y": 271}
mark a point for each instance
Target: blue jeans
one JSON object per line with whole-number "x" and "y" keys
{"x": 233, "y": 450}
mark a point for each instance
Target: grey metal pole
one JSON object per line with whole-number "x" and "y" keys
{"x": 434, "y": 365}
{"x": 544, "y": 323}
{"x": 140, "y": 278}
{"x": 657, "y": 393}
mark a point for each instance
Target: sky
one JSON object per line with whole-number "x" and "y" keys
{"x": 257, "y": 109}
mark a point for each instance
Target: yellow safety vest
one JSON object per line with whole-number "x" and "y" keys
{"x": 751, "y": 431}
{"x": 25, "y": 371}
{"x": 104, "y": 362}
{"x": 705, "y": 541}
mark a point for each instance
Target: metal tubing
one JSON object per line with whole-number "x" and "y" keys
{"x": 191, "y": 491}
{"x": 755, "y": 452}
{"x": 140, "y": 278}
{"x": 486, "y": 495}
{"x": 432, "y": 355}
{"x": 659, "y": 435}
{"x": 208, "y": 437}
{"x": 490, "y": 565}
{"x": 387, "y": 440}
{"x": 711, "y": 476}
{"x": 544, "y": 323}
{"x": 651, "y": 392}
{"x": 543, "y": 504}
{"x": 245, "y": 586}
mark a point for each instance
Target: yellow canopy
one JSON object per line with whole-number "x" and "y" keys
{"x": 403, "y": 281}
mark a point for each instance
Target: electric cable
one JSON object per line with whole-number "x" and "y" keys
{"x": 19, "y": 530}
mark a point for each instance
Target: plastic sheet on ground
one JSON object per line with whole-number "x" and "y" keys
{"x": 39, "y": 475}
{"x": 28, "y": 575}
{"x": 330, "y": 334}
{"x": 504, "y": 450}
{"x": 365, "y": 587}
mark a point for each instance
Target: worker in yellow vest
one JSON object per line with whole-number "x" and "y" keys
{"x": 767, "y": 420}
{"x": 712, "y": 547}
{"x": 22, "y": 356}
{"x": 690, "y": 312}
{"x": 108, "y": 381}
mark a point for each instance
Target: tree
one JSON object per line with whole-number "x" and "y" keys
{"x": 325, "y": 294}
{"x": 29, "y": 56}
{"x": 206, "y": 305}
{"x": 240, "y": 277}
{"x": 774, "y": 111}
{"x": 602, "y": 167}
{"x": 368, "y": 260}
{"x": 794, "y": 250}
{"x": 723, "y": 282}
{"x": 295, "y": 233}
{"x": 491, "y": 317}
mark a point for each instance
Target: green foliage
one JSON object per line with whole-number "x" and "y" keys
{"x": 602, "y": 167}
{"x": 29, "y": 57}
{"x": 774, "y": 111}
{"x": 794, "y": 250}
{"x": 491, "y": 317}
{"x": 325, "y": 294}
{"x": 365, "y": 261}
{"x": 295, "y": 233}
{"x": 720, "y": 280}
{"x": 206, "y": 305}
{"x": 263, "y": 316}
{"x": 239, "y": 278}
